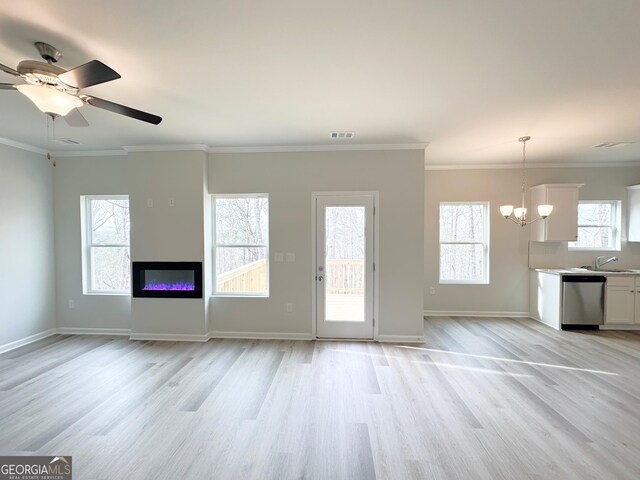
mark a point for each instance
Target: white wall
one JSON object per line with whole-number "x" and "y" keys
{"x": 167, "y": 233}
{"x": 508, "y": 291}
{"x": 27, "y": 283}
{"x": 73, "y": 177}
{"x": 289, "y": 179}
{"x": 182, "y": 233}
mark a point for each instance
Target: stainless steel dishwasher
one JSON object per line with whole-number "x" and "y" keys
{"x": 582, "y": 301}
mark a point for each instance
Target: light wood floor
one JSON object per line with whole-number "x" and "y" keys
{"x": 482, "y": 398}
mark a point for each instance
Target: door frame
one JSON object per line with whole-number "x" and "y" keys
{"x": 314, "y": 241}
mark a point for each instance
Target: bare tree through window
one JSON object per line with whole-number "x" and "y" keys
{"x": 464, "y": 242}
{"x": 241, "y": 239}
{"x": 107, "y": 238}
{"x": 598, "y": 226}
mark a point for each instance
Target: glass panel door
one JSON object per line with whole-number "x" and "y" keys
{"x": 344, "y": 257}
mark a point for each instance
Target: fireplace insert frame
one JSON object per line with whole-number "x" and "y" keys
{"x": 138, "y": 277}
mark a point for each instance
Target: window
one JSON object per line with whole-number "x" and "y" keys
{"x": 106, "y": 258}
{"x": 598, "y": 226}
{"x": 464, "y": 242}
{"x": 241, "y": 244}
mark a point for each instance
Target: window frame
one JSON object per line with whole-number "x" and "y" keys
{"x": 615, "y": 226}
{"x": 485, "y": 243}
{"x": 215, "y": 245}
{"x": 87, "y": 237}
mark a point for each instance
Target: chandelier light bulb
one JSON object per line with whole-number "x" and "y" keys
{"x": 506, "y": 210}
{"x": 519, "y": 212}
{"x": 545, "y": 210}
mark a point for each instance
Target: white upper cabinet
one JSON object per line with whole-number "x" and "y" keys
{"x": 562, "y": 224}
{"x": 633, "y": 220}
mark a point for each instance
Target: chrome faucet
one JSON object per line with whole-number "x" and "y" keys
{"x": 600, "y": 261}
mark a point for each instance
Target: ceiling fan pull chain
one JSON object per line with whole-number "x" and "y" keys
{"x": 49, "y": 156}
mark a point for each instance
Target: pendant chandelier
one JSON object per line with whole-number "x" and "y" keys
{"x": 519, "y": 215}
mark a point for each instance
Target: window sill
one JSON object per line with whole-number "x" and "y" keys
{"x": 222, "y": 295}
{"x": 578, "y": 249}
{"x": 108, "y": 294}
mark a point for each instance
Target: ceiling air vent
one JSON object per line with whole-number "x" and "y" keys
{"x": 66, "y": 141}
{"x": 341, "y": 135}
{"x": 612, "y": 144}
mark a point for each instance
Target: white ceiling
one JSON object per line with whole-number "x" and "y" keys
{"x": 468, "y": 76}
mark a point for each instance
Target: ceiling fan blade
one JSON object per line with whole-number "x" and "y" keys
{"x": 89, "y": 74}
{"x": 121, "y": 109}
{"x": 75, "y": 119}
{"x": 7, "y": 86}
{"x": 9, "y": 70}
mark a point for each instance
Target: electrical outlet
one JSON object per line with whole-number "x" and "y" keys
{"x": 432, "y": 290}
{"x": 291, "y": 257}
{"x": 149, "y": 202}
{"x": 72, "y": 304}
{"x": 289, "y": 307}
{"x": 278, "y": 257}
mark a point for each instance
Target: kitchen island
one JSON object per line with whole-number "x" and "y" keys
{"x": 621, "y": 298}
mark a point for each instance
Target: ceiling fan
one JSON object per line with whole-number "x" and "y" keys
{"x": 56, "y": 91}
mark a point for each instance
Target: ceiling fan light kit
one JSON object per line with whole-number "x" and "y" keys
{"x": 519, "y": 215}
{"x": 50, "y": 100}
{"x": 56, "y": 91}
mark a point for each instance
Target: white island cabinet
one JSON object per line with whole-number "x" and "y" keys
{"x": 562, "y": 224}
{"x": 622, "y": 301}
{"x": 622, "y": 297}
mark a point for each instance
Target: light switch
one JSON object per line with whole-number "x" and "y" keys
{"x": 172, "y": 202}
{"x": 149, "y": 202}
{"x": 278, "y": 257}
{"x": 289, "y": 307}
{"x": 291, "y": 257}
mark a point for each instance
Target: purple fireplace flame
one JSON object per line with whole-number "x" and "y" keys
{"x": 169, "y": 286}
{"x": 166, "y": 279}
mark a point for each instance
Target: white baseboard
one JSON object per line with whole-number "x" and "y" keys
{"x": 401, "y": 338}
{"x": 27, "y": 340}
{"x": 619, "y": 327}
{"x": 260, "y": 335}
{"x": 169, "y": 337}
{"x": 93, "y": 331}
{"x": 436, "y": 313}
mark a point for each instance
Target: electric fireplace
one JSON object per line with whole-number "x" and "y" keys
{"x": 167, "y": 279}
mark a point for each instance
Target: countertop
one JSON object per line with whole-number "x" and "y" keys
{"x": 584, "y": 271}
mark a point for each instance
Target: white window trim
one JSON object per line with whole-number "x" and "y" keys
{"x": 85, "y": 221}
{"x": 485, "y": 243}
{"x": 616, "y": 216}
{"x": 216, "y": 245}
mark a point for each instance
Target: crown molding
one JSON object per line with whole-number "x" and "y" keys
{"x": 90, "y": 153}
{"x": 125, "y": 150}
{"x": 501, "y": 166}
{"x": 319, "y": 148}
{"x": 167, "y": 148}
{"x": 22, "y": 146}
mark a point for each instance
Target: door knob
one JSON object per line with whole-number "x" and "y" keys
{"x": 320, "y": 278}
